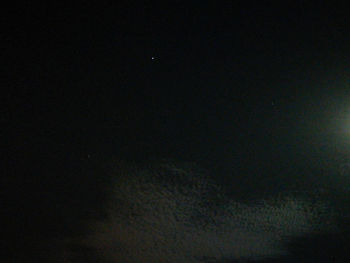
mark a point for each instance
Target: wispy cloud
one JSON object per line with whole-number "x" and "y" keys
{"x": 170, "y": 214}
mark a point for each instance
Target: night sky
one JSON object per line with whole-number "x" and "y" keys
{"x": 248, "y": 91}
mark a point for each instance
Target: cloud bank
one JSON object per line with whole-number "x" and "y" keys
{"x": 167, "y": 212}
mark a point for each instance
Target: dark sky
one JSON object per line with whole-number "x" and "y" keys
{"x": 225, "y": 84}
{"x": 249, "y": 90}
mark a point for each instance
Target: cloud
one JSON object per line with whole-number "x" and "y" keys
{"x": 171, "y": 213}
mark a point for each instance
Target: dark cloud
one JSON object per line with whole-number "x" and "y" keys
{"x": 166, "y": 212}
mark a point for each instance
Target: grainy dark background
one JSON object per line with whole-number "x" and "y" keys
{"x": 256, "y": 93}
